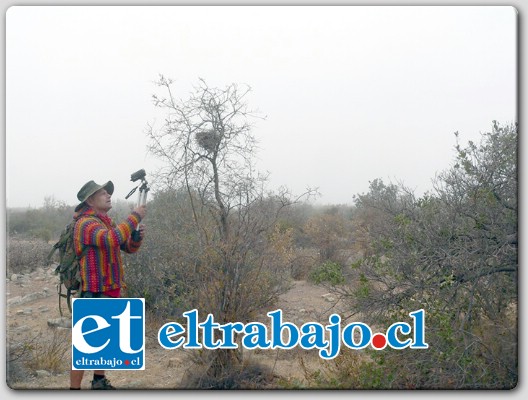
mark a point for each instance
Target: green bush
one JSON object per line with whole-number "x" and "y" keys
{"x": 330, "y": 272}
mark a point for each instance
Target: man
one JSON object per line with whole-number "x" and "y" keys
{"x": 102, "y": 266}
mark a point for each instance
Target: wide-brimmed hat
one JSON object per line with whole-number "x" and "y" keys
{"x": 90, "y": 188}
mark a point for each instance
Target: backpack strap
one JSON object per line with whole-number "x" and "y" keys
{"x": 59, "y": 290}
{"x": 69, "y": 294}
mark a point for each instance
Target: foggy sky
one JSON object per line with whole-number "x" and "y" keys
{"x": 351, "y": 93}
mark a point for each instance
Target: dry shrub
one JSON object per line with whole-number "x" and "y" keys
{"x": 43, "y": 351}
{"x": 26, "y": 255}
{"x": 247, "y": 375}
{"x": 17, "y": 355}
{"x": 351, "y": 369}
{"x": 303, "y": 262}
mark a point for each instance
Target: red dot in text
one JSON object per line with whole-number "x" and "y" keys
{"x": 379, "y": 341}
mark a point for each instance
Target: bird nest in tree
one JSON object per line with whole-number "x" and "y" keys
{"x": 208, "y": 140}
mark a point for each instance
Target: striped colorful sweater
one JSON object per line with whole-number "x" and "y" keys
{"x": 102, "y": 266}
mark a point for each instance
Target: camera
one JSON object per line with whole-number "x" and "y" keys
{"x": 136, "y": 176}
{"x": 143, "y": 186}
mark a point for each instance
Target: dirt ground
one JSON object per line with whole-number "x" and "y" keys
{"x": 27, "y": 323}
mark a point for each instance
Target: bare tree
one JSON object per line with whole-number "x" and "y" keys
{"x": 208, "y": 150}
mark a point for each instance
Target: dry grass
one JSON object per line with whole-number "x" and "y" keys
{"x": 48, "y": 353}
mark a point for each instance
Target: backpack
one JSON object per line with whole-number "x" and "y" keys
{"x": 69, "y": 268}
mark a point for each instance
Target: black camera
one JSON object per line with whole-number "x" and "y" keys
{"x": 143, "y": 186}
{"x": 136, "y": 176}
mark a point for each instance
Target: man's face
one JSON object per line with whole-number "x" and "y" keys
{"x": 100, "y": 201}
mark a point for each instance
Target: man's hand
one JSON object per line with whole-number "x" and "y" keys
{"x": 141, "y": 210}
{"x": 141, "y": 229}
